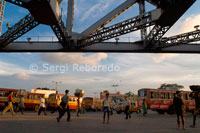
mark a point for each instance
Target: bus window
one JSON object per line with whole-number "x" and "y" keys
{"x": 152, "y": 95}
{"x": 162, "y": 96}
{"x": 185, "y": 96}
{"x": 142, "y": 93}
{"x": 1, "y": 94}
{"x": 166, "y": 95}
{"x": 172, "y": 95}
{"x": 155, "y": 95}
{"x": 70, "y": 99}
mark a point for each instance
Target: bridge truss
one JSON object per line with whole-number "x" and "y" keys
{"x": 96, "y": 37}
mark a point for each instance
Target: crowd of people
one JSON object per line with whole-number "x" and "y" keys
{"x": 63, "y": 107}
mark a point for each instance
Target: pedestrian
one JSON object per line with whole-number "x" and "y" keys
{"x": 127, "y": 108}
{"x": 65, "y": 107}
{"x": 78, "y": 106}
{"x": 180, "y": 110}
{"x": 83, "y": 107}
{"x": 106, "y": 105}
{"x": 10, "y": 105}
{"x": 42, "y": 105}
{"x": 144, "y": 107}
{"x": 196, "y": 96}
{"x": 21, "y": 104}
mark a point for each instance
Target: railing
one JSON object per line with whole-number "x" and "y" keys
{"x": 37, "y": 39}
{"x": 54, "y": 39}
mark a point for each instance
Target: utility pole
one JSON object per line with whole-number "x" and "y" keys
{"x": 56, "y": 82}
{"x": 115, "y": 86}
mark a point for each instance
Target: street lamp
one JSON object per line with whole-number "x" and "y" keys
{"x": 115, "y": 85}
{"x": 56, "y": 82}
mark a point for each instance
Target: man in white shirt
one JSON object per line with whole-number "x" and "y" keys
{"x": 42, "y": 106}
{"x": 106, "y": 105}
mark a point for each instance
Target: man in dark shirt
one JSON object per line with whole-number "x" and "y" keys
{"x": 65, "y": 107}
{"x": 179, "y": 107}
{"x": 196, "y": 96}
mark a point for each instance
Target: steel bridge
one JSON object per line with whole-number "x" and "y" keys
{"x": 95, "y": 38}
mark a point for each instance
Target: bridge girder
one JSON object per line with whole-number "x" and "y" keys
{"x": 45, "y": 12}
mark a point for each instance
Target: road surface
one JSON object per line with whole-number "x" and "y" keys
{"x": 92, "y": 123}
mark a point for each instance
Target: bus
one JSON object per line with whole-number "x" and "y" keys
{"x": 93, "y": 104}
{"x": 31, "y": 100}
{"x": 162, "y": 100}
{"x": 53, "y": 98}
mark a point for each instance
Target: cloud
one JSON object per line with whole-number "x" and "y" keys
{"x": 158, "y": 58}
{"x": 76, "y": 58}
{"x": 184, "y": 25}
{"x": 96, "y": 9}
{"x": 22, "y": 75}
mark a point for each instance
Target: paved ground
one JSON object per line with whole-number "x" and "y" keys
{"x": 92, "y": 122}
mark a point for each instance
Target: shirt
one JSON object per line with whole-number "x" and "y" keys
{"x": 42, "y": 103}
{"x": 178, "y": 102}
{"x": 126, "y": 103}
{"x": 65, "y": 99}
{"x": 106, "y": 102}
{"x": 10, "y": 97}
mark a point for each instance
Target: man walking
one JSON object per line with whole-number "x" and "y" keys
{"x": 196, "y": 96}
{"x": 179, "y": 107}
{"x": 106, "y": 105}
{"x": 21, "y": 104}
{"x": 127, "y": 108}
{"x": 42, "y": 106}
{"x": 65, "y": 107}
{"x": 10, "y": 106}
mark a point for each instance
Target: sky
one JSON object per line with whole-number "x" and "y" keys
{"x": 130, "y": 71}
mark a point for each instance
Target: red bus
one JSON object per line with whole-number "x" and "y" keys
{"x": 162, "y": 100}
{"x": 31, "y": 100}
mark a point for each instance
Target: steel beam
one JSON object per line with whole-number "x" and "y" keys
{"x": 61, "y": 33}
{"x": 122, "y": 47}
{"x": 70, "y": 17}
{"x": 22, "y": 27}
{"x": 184, "y": 38}
{"x": 165, "y": 22}
{"x": 142, "y": 13}
{"x": 122, "y": 28}
{"x": 108, "y": 18}
{"x": 21, "y": 3}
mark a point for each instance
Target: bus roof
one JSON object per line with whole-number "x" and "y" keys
{"x": 8, "y": 89}
{"x": 158, "y": 90}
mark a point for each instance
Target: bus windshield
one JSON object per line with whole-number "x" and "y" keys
{"x": 142, "y": 93}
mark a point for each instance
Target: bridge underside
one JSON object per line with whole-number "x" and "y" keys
{"x": 95, "y": 37}
{"x": 121, "y": 47}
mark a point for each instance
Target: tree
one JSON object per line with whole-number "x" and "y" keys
{"x": 130, "y": 94}
{"x": 164, "y": 86}
{"x": 42, "y": 88}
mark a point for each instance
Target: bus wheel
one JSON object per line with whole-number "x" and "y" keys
{"x": 161, "y": 112}
{"x": 37, "y": 108}
{"x": 171, "y": 110}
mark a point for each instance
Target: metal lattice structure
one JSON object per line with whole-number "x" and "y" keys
{"x": 2, "y": 9}
{"x": 96, "y": 37}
